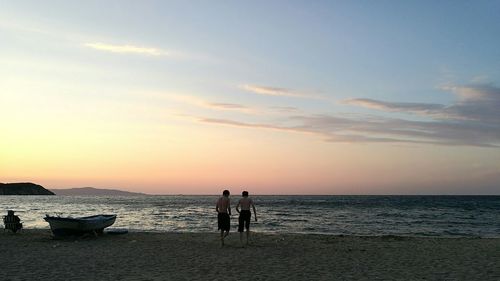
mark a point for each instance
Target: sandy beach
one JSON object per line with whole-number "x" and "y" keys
{"x": 35, "y": 255}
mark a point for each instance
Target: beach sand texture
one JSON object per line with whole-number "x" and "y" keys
{"x": 35, "y": 255}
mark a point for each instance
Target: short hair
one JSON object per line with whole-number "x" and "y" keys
{"x": 225, "y": 192}
{"x": 244, "y": 193}
{"x": 10, "y": 213}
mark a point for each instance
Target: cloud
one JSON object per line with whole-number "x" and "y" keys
{"x": 473, "y": 120}
{"x": 226, "y": 106}
{"x": 474, "y": 103}
{"x": 377, "y": 130}
{"x": 474, "y": 92}
{"x": 477, "y": 103}
{"x": 233, "y": 123}
{"x": 126, "y": 49}
{"x": 395, "y": 106}
{"x": 198, "y": 102}
{"x": 280, "y": 92}
{"x": 239, "y": 124}
{"x": 435, "y": 132}
{"x": 285, "y": 109}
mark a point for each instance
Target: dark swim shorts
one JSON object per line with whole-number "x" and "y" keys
{"x": 224, "y": 221}
{"x": 244, "y": 220}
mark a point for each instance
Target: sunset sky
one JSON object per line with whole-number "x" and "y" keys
{"x": 274, "y": 97}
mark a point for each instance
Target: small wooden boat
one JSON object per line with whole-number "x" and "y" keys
{"x": 70, "y": 226}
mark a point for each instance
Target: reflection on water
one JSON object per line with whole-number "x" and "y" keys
{"x": 349, "y": 215}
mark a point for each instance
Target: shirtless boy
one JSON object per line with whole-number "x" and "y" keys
{"x": 245, "y": 215}
{"x": 223, "y": 209}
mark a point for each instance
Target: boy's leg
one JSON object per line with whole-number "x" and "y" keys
{"x": 241, "y": 222}
{"x": 247, "y": 226}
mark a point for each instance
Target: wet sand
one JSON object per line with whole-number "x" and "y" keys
{"x": 35, "y": 255}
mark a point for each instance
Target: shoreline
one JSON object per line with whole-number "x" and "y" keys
{"x": 300, "y": 233}
{"x": 34, "y": 255}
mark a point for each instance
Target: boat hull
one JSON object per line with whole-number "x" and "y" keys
{"x": 72, "y": 226}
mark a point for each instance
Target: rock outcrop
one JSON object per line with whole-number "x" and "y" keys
{"x": 23, "y": 188}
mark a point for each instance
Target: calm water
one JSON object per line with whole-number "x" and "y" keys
{"x": 349, "y": 215}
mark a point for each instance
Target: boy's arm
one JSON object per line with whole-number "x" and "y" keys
{"x": 229, "y": 206}
{"x": 237, "y": 207}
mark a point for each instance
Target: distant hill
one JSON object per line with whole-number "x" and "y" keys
{"x": 91, "y": 191}
{"x": 23, "y": 188}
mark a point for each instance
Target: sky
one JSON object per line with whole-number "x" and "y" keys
{"x": 273, "y": 97}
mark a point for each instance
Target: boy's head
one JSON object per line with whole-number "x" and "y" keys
{"x": 225, "y": 193}
{"x": 244, "y": 194}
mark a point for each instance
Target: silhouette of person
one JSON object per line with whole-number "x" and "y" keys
{"x": 245, "y": 215}
{"x": 12, "y": 221}
{"x": 223, "y": 208}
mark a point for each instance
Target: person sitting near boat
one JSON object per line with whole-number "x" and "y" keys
{"x": 12, "y": 221}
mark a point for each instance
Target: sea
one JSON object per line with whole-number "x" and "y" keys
{"x": 416, "y": 216}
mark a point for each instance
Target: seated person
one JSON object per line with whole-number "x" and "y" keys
{"x": 12, "y": 221}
